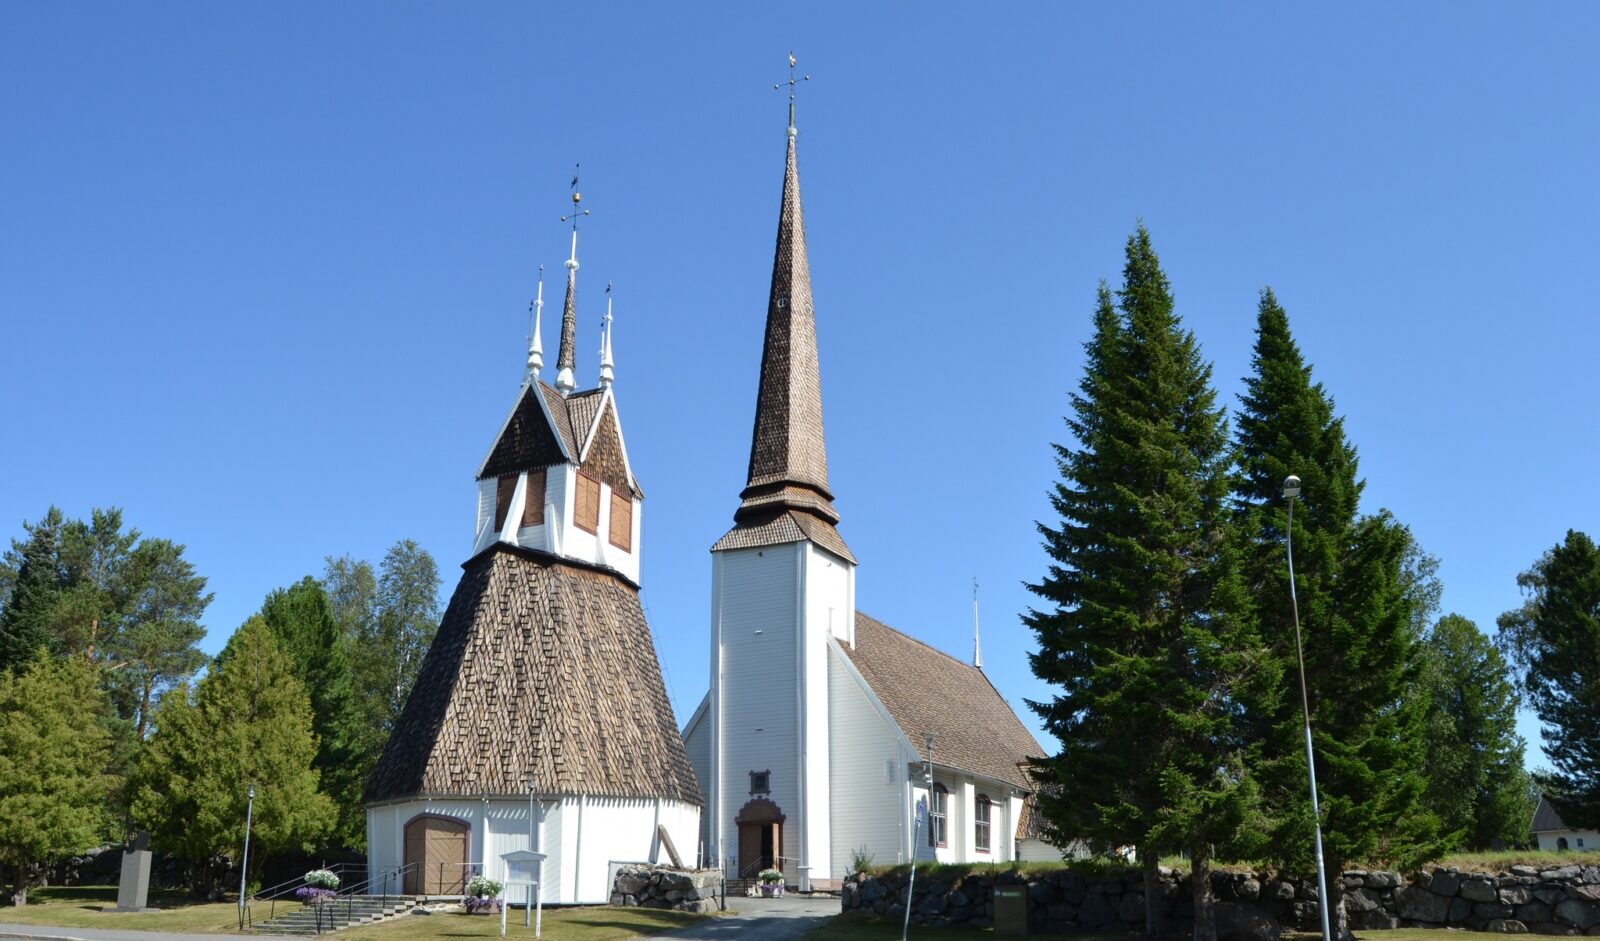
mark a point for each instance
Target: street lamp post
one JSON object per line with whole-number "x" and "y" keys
{"x": 911, "y": 884}
{"x": 244, "y": 861}
{"x": 1291, "y": 489}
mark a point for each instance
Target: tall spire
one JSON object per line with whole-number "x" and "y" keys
{"x": 788, "y": 457}
{"x": 565, "y": 355}
{"x": 607, "y": 367}
{"x": 535, "y": 341}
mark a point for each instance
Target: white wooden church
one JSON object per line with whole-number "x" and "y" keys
{"x": 812, "y": 743}
{"x": 539, "y": 719}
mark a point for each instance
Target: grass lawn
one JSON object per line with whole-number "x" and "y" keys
{"x": 95, "y": 907}
{"x": 597, "y": 923}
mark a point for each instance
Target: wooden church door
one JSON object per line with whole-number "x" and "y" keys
{"x": 760, "y": 825}
{"x": 436, "y": 855}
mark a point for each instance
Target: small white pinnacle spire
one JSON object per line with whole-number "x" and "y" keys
{"x": 565, "y": 382}
{"x": 535, "y": 341}
{"x": 607, "y": 367}
{"x": 977, "y": 648}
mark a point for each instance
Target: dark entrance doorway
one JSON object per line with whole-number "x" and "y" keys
{"x": 760, "y": 825}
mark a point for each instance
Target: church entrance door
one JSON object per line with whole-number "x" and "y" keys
{"x": 436, "y": 855}
{"x": 760, "y": 825}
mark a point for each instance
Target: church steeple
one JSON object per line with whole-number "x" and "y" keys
{"x": 788, "y": 455}
{"x": 566, "y": 354}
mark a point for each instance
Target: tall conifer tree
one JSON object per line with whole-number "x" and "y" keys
{"x": 1145, "y": 630}
{"x": 1356, "y": 598}
{"x": 1554, "y": 638}
{"x": 302, "y": 620}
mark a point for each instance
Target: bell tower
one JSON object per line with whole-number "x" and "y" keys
{"x": 783, "y": 583}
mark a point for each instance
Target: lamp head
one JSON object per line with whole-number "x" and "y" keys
{"x": 250, "y": 792}
{"x": 1291, "y": 487}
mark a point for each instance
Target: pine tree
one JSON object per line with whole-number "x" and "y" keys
{"x": 1356, "y": 603}
{"x": 302, "y": 621}
{"x": 1554, "y": 640}
{"x": 95, "y": 556}
{"x": 1477, "y": 786}
{"x": 1145, "y": 631}
{"x": 53, "y": 753}
{"x": 248, "y": 722}
{"x": 36, "y": 578}
{"x": 158, "y": 644}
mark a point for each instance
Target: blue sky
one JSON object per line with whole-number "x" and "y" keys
{"x": 264, "y": 268}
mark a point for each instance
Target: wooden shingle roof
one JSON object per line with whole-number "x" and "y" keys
{"x": 542, "y": 669}
{"x": 929, "y": 692}
{"x": 788, "y": 455}
{"x": 535, "y": 437}
{"x": 1545, "y": 818}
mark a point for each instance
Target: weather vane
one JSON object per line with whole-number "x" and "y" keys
{"x": 577, "y": 198}
{"x": 792, "y": 82}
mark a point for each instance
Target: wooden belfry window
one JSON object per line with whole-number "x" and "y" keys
{"x": 621, "y": 521}
{"x": 533, "y": 501}
{"x": 504, "y": 488}
{"x": 981, "y": 826}
{"x": 586, "y": 512}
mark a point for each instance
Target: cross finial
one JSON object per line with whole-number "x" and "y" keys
{"x": 792, "y": 82}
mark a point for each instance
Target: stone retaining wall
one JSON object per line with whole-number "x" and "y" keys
{"x": 1557, "y": 901}
{"x": 685, "y": 890}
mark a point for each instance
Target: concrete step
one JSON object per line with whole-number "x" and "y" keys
{"x": 335, "y": 915}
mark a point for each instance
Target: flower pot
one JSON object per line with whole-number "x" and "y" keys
{"x": 772, "y": 890}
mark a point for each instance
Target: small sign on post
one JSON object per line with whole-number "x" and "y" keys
{"x": 523, "y": 868}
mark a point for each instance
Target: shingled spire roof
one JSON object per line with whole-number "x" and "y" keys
{"x": 788, "y": 456}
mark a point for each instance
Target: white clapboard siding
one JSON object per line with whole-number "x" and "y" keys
{"x": 758, "y": 709}
{"x": 865, "y": 772}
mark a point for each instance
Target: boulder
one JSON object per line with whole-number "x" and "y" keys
{"x": 1383, "y": 880}
{"x": 1516, "y": 895}
{"x": 1416, "y": 903}
{"x": 1131, "y": 908}
{"x": 1375, "y": 920}
{"x": 1096, "y": 913}
{"x": 1532, "y": 913}
{"x": 1279, "y": 889}
{"x": 1245, "y": 923}
{"x": 1578, "y": 913}
{"x": 1479, "y": 890}
{"x": 1445, "y": 882}
{"x": 1460, "y": 909}
{"x": 1506, "y": 926}
{"x": 1493, "y": 910}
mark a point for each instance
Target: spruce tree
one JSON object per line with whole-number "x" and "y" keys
{"x": 1554, "y": 640}
{"x": 53, "y": 754}
{"x": 1477, "y": 786}
{"x": 247, "y": 723}
{"x": 1145, "y": 629}
{"x": 36, "y": 578}
{"x": 302, "y": 621}
{"x": 1356, "y": 599}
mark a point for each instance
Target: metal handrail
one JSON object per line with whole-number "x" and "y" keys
{"x": 761, "y": 864}
{"x": 272, "y": 894}
{"x": 348, "y": 896}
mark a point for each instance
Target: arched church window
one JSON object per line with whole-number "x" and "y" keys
{"x": 939, "y": 817}
{"x": 980, "y": 817}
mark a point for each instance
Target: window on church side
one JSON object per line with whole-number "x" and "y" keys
{"x": 504, "y": 488}
{"x": 980, "y": 825}
{"x": 621, "y": 521}
{"x": 761, "y": 782}
{"x": 586, "y": 511}
{"x": 938, "y": 817}
{"x": 533, "y": 501}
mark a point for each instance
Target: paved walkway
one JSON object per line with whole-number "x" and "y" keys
{"x": 783, "y": 919}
